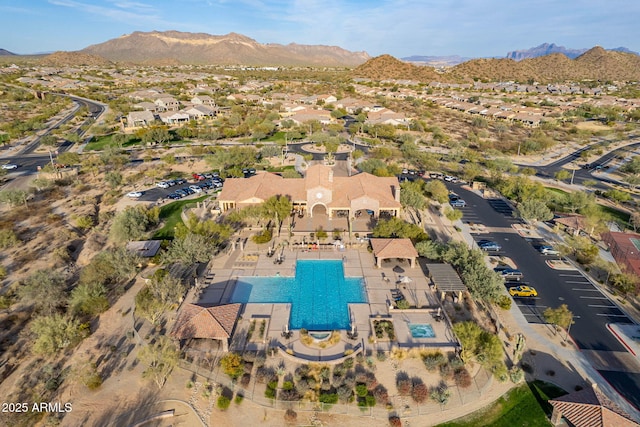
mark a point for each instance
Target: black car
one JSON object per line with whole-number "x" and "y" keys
{"x": 180, "y": 181}
{"x": 174, "y": 196}
{"x": 182, "y": 192}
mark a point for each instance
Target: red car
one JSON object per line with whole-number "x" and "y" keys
{"x": 198, "y": 177}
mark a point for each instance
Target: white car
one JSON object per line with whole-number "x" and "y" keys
{"x": 195, "y": 188}
{"x": 134, "y": 194}
{"x": 9, "y": 166}
{"x": 162, "y": 184}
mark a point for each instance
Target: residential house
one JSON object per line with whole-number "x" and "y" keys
{"x": 200, "y": 111}
{"x": 203, "y": 100}
{"x": 167, "y": 103}
{"x": 140, "y": 118}
{"x": 173, "y": 117}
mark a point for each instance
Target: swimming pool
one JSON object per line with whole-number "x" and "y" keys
{"x": 318, "y": 294}
{"x": 421, "y": 330}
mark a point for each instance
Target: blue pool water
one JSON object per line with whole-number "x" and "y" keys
{"x": 318, "y": 294}
{"x": 421, "y": 330}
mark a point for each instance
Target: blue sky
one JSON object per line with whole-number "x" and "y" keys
{"x": 401, "y": 28}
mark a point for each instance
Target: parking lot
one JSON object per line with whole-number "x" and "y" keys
{"x": 592, "y": 310}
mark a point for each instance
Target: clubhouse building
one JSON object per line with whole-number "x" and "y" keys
{"x": 318, "y": 194}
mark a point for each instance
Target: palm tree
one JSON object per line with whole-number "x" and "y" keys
{"x": 277, "y": 207}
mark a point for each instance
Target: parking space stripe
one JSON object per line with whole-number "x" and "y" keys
{"x": 586, "y": 289}
{"x": 573, "y": 281}
{"x": 571, "y": 275}
{"x": 602, "y": 297}
{"x": 602, "y": 306}
{"x": 611, "y": 315}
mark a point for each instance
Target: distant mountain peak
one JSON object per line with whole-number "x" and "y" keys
{"x": 4, "y": 52}
{"x": 549, "y": 48}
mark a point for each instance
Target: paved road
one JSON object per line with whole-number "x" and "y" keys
{"x": 592, "y": 310}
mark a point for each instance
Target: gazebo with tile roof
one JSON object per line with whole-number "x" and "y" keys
{"x": 589, "y": 408}
{"x": 198, "y": 322}
{"x": 394, "y": 248}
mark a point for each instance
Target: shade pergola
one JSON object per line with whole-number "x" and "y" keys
{"x": 216, "y": 323}
{"x": 445, "y": 279}
{"x": 394, "y": 248}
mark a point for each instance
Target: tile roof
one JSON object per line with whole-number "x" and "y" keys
{"x": 591, "y": 408}
{"x": 393, "y": 248}
{"x": 195, "y": 321}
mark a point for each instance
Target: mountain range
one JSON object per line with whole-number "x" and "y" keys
{"x": 200, "y": 48}
{"x": 594, "y": 64}
{"x": 4, "y": 52}
{"x": 549, "y": 48}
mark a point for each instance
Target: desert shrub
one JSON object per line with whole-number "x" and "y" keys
{"x": 247, "y": 367}
{"x": 381, "y": 356}
{"x": 504, "y": 302}
{"x": 434, "y": 360}
{"x": 404, "y": 386}
{"x": 245, "y": 380}
{"x": 361, "y": 390}
{"x": 360, "y": 358}
{"x": 223, "y": 402}
{"x": 290, "y": 416}
{"x": 403, "y": 304}
{"x": 516, "y": 374}
{"x": 440, "y": 394}
{"x": 325, "y": 373}
{"x": 446, "y": 371}
{"x": 344, "y": 393}
{"x": 420, "y": 392}
{"x": 263, "y": 374}
{"x": 239, "y": 398}
{"x": 263, "y": 237}
{"x": 8, "y": 239}
{"x": 462, "y": 378}
{"x": 339, "y": 370}
{"x": 232, "y": 365}
{"x": 350, "y": 380}
{"x": 303, "y": 385}
{"x": 381, "y": 395}
{"x": 348, "y": 363}
{"x": 249, "y": 356}
{"x": 289, "y": 395}
{"x": 329, "y": 398}
{"x": 325, "y": 385}
{"x": 394, "y": 421}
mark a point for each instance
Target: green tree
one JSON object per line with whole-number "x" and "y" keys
{"x": 437, "y": 191}
{"x": 45, "y": 289}
{"x": 429, "y": 249}
{"x": 190, "y": 249}
{"x": 113, "y": 178}
{"x": 109, "y": 267}
{"x": 396, "y": 227}
{"x": 534, "y": 210}
{"x": 232, "y": 365}
{"x": 130, "y": 224}
{"x": 8, "y": 239}
{"x": 559, "y": 317}
{"x": 69, "y": 158}
{"x": 411, "y": 195}
{"x": 452, "y": 215}
{"x": 56, "y": 333}
{"x": 277, "y": 207}
{"x": 88, "y": 299}
{"x": 159, "y": 358}
{"x": 13, "y": 197}
{"x": 148, "y": 306}
{"x": 627, "y": 283}
{"x": 577, "y": 201}
{"x": 156, "y": 135}
{"x": 166, "y": 288}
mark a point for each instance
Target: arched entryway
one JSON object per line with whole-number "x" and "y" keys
{"x": 319, "y": 210}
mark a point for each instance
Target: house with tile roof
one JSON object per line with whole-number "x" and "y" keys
{"x": 625, "y": 249}
{"x": 209, "y": 323}
{"x": 319, "y": 193}
{"x": 589, "y": 408}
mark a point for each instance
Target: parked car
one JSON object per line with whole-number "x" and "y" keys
{"x": 180, "y": 181}
{"x": 511, "y": 274}
{"x": 174, "y": 196}
{"x": 208, "y": 175}
{"x": 171, "y": 182}
{"x": 198, "y": 177}
{"x": 182, "y": 192}
{"x": 547, "y": 250}
{"x": 488, "y": 245}
{"x": 458, "y": 203}
{"x": 162, "y": 184}
{"x": 195, "y": 188}
{"x": 134, "y": 194}
{"x": 523, "y": 291}
{"x": 9, "y": 166}
{"x": 453, "y": 196}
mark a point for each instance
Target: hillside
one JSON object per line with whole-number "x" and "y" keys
{"x": 73, "y": 59}
{"x": 387, "y": 67}
{"x": 5, "y": 52}
{"x": 595, "y": 64}
{"x": 549, "y": 48}
{"x": 201, "y": 48}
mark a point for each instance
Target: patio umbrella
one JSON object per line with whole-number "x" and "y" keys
{"x": 398, "y": 269}
{"x": 405, "y": 279}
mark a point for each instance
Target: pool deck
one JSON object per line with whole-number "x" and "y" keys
{"x": 379, "y": 284}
